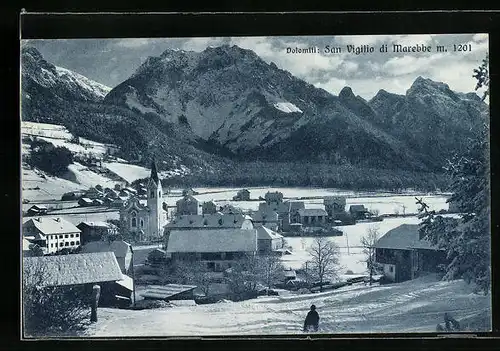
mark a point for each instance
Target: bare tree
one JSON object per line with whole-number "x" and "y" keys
{"x": 324, "y": 263}
{"x": 193, "y": 272}
{"x": 51, "y": 310}
{"x": 368, "y": 243}
{"x": 271, "y": 269}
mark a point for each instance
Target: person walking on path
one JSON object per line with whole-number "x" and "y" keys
{"x": 312, "y": 320}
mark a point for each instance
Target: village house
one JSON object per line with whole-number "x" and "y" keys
{"x": 37, "y": 210}
{"x": 72, "y": 195}
{"x": 230, "y": 209}
{"x": 217, "y": 248}
{"x": 85, "y": 202}
{"x": 146, "y": 221}
{"x": 334, "y": 205}
{"x": 242, "y": 195}
{"x": 85, "y": 269}
{"x": 274, "y": 203}
{"x": 273, "y": 197}
{"x": 210, "y": 221}
{"x": 404, "y": 255}
{"x": 188, "y": 205}
{"x": 358, "y": 211}
{"x": 51, "y": 234}
{"x": 208, "y": 207}
{"x": 268, "y": 240}
{"x": 293, "y": 214}
{"x": 96, "y": 231}
{"x": 94, "y": 193}
{"x": 121, "y": 249}
{"x": 266, "y": 218}
{"x": 312, "y": 217}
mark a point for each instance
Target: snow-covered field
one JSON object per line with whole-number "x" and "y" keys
{"x": 412, "y": 306}
{"x": 59, "y": 136}
{"x": 384, "y": 203}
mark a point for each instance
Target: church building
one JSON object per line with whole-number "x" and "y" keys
{"x": 145, "y": 220}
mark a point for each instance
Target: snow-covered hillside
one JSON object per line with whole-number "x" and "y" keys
{"x": 412, "y": 306}
{"x": 59, "y": 136}
{"x": 73, "y": 78}
{"x": 47, "y": 75}
{"x": 133, "y": 172}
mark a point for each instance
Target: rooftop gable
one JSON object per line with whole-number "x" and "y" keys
{"x": 212, "y": 240}
{"x": 75, "y": 269}
{"x": 404, "y": 237}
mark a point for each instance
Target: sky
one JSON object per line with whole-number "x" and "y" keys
{"x": 111, "y": 61}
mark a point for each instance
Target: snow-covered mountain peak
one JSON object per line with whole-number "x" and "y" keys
{"x": 73, "y": 78}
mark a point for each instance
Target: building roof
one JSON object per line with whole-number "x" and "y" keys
{"x": 295, "y": 205}
{"x": 264, "y": 233}
{"x": 54, "y": 225}
{"x": 267, "y": 215}
{"x": 85, "y": 199}
{"x": 358, "y": 208}
{"x": 212, "y": 240}
{"x": 39, "y": 207}
{"x": 165, "y": 291}
{"x": 96, "y": 224}
{"x": 215, "y": 220}
{"x": 26, "y": 244}
{"x": 312, "y": 212}
{"x": 76, "y": 269}
{"x": 127, "y": 282}
{"x": 403, "y": 237}
{"x": 119, "y": 247}
{"x": 187, "y": 198}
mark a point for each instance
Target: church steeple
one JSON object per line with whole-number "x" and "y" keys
{"x": 154, "y": 173}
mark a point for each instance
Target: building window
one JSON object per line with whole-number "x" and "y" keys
{"x": 60, "y": 236}
{"x": 142, "y": 223}
{"x": 77, "y": 242}
{"x": 77, "y": 235}
{"x": 66, "y": 244}
{"x": 152, "y": 194}
{"x": 72, "y": 236}
{"x": 134, "y": 219}
{"x": 391, "y": 269}
{"x": 72, "y": 243}
{"x": 52, "y": 245}
{"x": 66, "y": 236}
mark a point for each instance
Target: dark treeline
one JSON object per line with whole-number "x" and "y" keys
{"x": 311, "y": 174}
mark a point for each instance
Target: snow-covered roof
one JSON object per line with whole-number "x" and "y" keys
{"x": 264, "y": 233}
{"x": 26, "y": 244}
{"x": 165, "y": 291}
{"x": 212, "y": 240}
{"x": 96, "y": 224}
{"x": 312, "y": 212}
{"x": 403, "y": 237}
{"x": 75, "y": 269}
{"x": 216, "y": 220}
{"x": 127, "y": 282}
{"x": 119, "y": 247}
{"x": 48, "y": 226}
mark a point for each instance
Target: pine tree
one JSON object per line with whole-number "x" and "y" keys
{"x": 466, "y": 239}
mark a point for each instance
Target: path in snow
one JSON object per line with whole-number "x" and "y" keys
{"x": 415, "y": 306}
